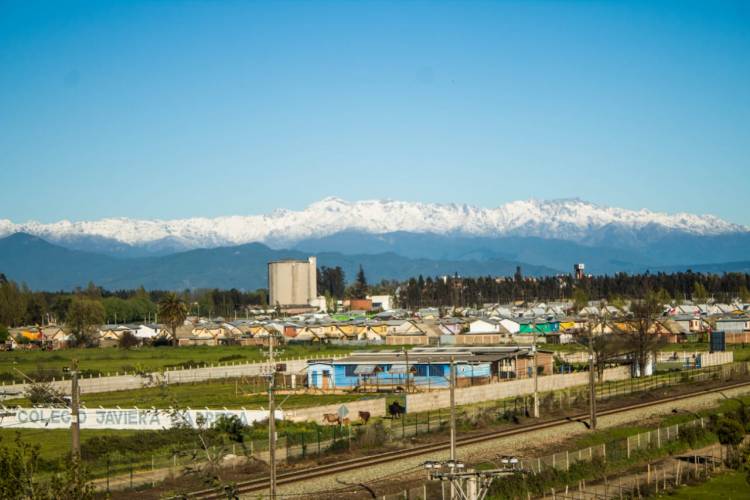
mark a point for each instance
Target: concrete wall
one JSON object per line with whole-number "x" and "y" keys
{"x": 376, "y": 407}
{"x": 662, "y": 356}
{"x": 716, "y": 358}
{"x": 125, "y": 382}
{"x": 501, "y": 390}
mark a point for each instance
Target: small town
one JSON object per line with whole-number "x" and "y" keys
{"x": 335, "y": 250}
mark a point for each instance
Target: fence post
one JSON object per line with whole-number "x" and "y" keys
{"x": 658, "y": 437}
{"x": 628, "y": 446}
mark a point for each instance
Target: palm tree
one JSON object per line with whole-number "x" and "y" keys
{"x": 173, "y": 312}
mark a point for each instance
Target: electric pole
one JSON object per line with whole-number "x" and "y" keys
{"x": 75, "y": 426}
{"x": 271, "y": 421}
{"x": 453, "y": 418}
{"x": 536, "y": 382}
{"x": 592, "y": 386}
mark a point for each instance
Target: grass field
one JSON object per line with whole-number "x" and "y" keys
{"x": 43, "y": 365}
{"x": 54, "y": 443}
{"x": 211, "y": 394}
{"x": 728, "y": 486}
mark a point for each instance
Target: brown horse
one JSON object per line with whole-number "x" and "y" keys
{"x": 364, "y": 416}
{"x": 331, "y": 418}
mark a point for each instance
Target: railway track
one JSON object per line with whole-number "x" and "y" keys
{"x": 259, "y": 484}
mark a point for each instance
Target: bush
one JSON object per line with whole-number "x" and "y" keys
{"x": 231, "y": 426}
{"x": 43, "y": 393}
{"x": 729, "y": 431}
{"x": 138, "y": 443}
{"x": 162, "y": 342}
{"x": 372, "y": 436}
{"x": 128, "y": 340}
{"x": 232, "y": 357}
{"x": 692, "y": 434}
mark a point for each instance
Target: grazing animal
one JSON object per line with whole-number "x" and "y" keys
{"x": 396, "y": 410}
{"x": 331, "y": 418}
{"x": 346, "y": 421}
{"x": 364, "y": 416}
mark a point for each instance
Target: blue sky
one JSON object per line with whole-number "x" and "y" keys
{"x": 173, "y": 109}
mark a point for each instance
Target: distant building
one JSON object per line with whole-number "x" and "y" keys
{"x": 292, "y": 282}
{"x": 578, "y": 270}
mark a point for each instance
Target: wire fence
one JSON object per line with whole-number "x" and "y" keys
{"x": 313, "y": 443}
{"x": 612, "y": 451}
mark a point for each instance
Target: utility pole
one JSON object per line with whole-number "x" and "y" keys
{"x": 453, "y": 419}
{"x": 536, "y": 382}
{"x": 479, "y": 482}
{"x": 75, "y": 426}
{"x": 272, "y": 421}
{"x": 406, "y": 355}
{"x": 592, "y": 386}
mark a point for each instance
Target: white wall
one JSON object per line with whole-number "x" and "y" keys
{"x": 502, "y": 390}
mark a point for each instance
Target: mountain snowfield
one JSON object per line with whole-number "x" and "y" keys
{"x": 573, "y": 220}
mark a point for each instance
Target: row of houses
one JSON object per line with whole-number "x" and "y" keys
{"x": 493, "y": 324}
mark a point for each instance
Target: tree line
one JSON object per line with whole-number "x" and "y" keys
{"x": 21, "y": 306}
{"x": 473, "y": 292}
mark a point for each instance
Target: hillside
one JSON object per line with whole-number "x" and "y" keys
{"x": 45, "y": 266}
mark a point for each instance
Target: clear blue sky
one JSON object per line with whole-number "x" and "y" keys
{"x": 165, "y": 109}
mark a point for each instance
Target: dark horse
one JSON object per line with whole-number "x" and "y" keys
{"x": 396, "y": 410}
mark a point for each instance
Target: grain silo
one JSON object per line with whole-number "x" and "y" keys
{"x": 292, "y": 282}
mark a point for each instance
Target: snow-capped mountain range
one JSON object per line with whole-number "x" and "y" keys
{"x": 572, "y": 220}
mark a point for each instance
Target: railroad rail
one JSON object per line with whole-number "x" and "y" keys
{"x": 258, "y": 484}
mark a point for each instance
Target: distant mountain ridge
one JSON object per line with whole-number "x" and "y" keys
{"x": 565, "y": 220}
{"x": 46, "y": 266}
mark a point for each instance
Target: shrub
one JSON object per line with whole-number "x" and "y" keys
{"x": 232, "y": 357}
{"x": 128, "y": 340}
{"x": 371, "y": 436}
{"x": 729, "y": 431}
{"x": 231, "y": 426}
{"x": 43, "y": 393}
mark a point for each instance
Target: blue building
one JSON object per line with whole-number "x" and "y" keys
{"x": 421, "y": 368}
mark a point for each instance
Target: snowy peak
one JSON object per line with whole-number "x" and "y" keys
{"x": 570, "y": 219}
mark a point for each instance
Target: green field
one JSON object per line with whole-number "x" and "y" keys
{"x": 43, "y": 365}
{"x": 728, "y": 486}
{"x": 54, "y": 443}
{"x": 211, "y": 394}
